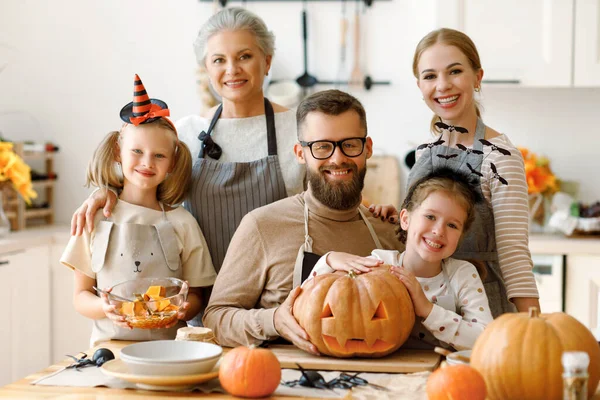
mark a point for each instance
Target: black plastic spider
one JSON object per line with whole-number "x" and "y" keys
{"x": 100, "y": 357}
{"x": 314, "y": 379}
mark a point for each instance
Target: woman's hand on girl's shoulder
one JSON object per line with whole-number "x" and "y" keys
{"x": 349, "y": 262}
{"x": 387, "y": 212}
{"x": 84, "y": 215}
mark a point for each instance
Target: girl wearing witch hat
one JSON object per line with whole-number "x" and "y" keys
{"x": 144, "y": 236}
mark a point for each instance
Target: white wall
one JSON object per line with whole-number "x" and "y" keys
{"x": 71, "y": 65}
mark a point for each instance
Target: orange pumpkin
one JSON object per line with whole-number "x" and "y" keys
{"x": 519, "y": 355}
{"x": 452, "y": 382}
{"x": 350, "y": 315}
{"x": 250, "y": 372}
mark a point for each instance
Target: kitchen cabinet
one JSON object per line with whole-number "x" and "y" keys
{"x": 583, "y": 289}
{"x": 70, "y": 330}
{"x": 529, "y": 43}
{"x": 587, "y": 43}
{"x": 25, "y": 295}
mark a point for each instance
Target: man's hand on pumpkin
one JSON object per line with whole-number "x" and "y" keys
{"x": 349, "y": 262}
{"x": 421, "y": 303}
{"x": 287, "y": 326}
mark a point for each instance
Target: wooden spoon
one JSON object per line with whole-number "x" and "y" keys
{"x": 446, "y": 352}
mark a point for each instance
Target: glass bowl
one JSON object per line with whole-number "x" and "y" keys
{"x": 154, "y": 301}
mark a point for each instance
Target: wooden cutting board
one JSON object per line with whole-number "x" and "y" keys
{"x": 402, "y": 361}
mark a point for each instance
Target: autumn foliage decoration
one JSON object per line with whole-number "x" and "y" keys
{"x": 14, "y": 169}
{"x": 540, "y": 178}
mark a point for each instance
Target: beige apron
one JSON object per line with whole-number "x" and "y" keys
{"x": 122, "y": 252}
{"x": 306, "y": 259}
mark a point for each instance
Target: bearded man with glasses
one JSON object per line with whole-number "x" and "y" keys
{"x": 276, "y": 246}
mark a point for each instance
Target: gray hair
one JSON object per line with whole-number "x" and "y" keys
{"x": 234, "y": 19}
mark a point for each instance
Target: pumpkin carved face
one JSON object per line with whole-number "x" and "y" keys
{"x": 519, "y": 355}
{"x": 348, "y": 315}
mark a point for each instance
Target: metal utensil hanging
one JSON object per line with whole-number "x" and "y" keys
{"x": 305, "y": 80}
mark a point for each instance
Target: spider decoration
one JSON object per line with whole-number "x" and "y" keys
{"x": 313, "y": 379}
{"x": 99, "y": 357}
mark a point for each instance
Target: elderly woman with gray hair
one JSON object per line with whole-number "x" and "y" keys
{"x": 243, "y": 148}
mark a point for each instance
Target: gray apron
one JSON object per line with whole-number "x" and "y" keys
{"x": 122, "y": 252}
{"x": 223, "y": 193}
{"x": 479, "y": 243}
{"x": 306, "y": 259}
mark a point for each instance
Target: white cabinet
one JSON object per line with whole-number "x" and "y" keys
{"x": 70, "y": 330}
{"x": 587, "y": 43}
{"x": 583, "y": 289}
{"x": 522, "y": 42}
{"x": 25, "y": 313}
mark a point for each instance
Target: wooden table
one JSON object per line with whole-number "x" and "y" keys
{"x": 22, "y": 389}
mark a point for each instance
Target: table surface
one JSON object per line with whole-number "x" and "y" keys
{"x": 23, "y": 389}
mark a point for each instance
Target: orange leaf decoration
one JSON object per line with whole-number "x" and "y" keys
{"x": 538, "y": 174}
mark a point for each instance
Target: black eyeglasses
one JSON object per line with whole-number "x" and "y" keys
{"x": 323, "y": 149}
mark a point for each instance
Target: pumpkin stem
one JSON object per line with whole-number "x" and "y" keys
{"x": 534, "y": 312}
{"x": 352, "y": 274}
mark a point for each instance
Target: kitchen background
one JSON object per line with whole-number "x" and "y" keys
{"x": 66, "y": 68}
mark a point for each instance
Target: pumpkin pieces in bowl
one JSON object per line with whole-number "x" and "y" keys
{"x": 348, "y": 315}
{"x": 157, "y": 307}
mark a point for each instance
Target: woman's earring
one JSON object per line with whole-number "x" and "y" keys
{"x": 478, "y": 89}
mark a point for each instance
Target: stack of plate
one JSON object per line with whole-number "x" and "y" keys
{"x": 166, "y": 364}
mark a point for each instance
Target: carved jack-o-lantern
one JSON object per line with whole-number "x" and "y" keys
{"x": 349, "y": 315}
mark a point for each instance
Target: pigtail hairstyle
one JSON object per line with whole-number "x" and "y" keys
{"x": 449, "y": 37}
{"x": 101, "y": 168}
{"x": 174, "y": 188}
{"x": 459, "y": 185}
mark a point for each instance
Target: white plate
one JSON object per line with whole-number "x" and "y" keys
{"x": 118, "y": 369}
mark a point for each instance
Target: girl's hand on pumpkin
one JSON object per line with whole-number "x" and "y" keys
{"x": 110, "y": 310}
{"x": 421, "y": 303}
{"x": 349, "y": 262}
{"x": 386, "y": 212}
{"x": 287, "y": 326}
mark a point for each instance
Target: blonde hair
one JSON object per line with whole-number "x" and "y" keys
{"x": 449, "y": 37}
{"x": 459, "y": 187}
{"x": 101, "y": 170}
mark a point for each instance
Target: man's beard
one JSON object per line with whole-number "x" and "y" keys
{"x": 339, "y": 195}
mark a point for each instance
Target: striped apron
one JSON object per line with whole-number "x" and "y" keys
{"x": 223, "y": 192}
{"x": 479, "y": 243}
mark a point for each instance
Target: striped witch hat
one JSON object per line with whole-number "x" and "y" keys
{"x": 143, "y": 109}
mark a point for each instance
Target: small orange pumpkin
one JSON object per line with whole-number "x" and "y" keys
{"x": 350, "y": 315}
{"x": 452, "y": 382}
{"x": 250, "y": 372}
{"x": 519, "y": 355}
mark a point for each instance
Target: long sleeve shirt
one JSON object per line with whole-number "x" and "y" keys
{"x": 257, "y": 273}
{"x": 460, "y": 310}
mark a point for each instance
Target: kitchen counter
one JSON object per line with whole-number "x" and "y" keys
{"x": 27, "y": 238}
{"x": 559, "y": 244}
{"x": 23, "y": 389}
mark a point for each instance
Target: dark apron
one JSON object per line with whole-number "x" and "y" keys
{"x": 479, "y": 243}
{"x": 306, "y": 259}
{"x": 223, "y": 193}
